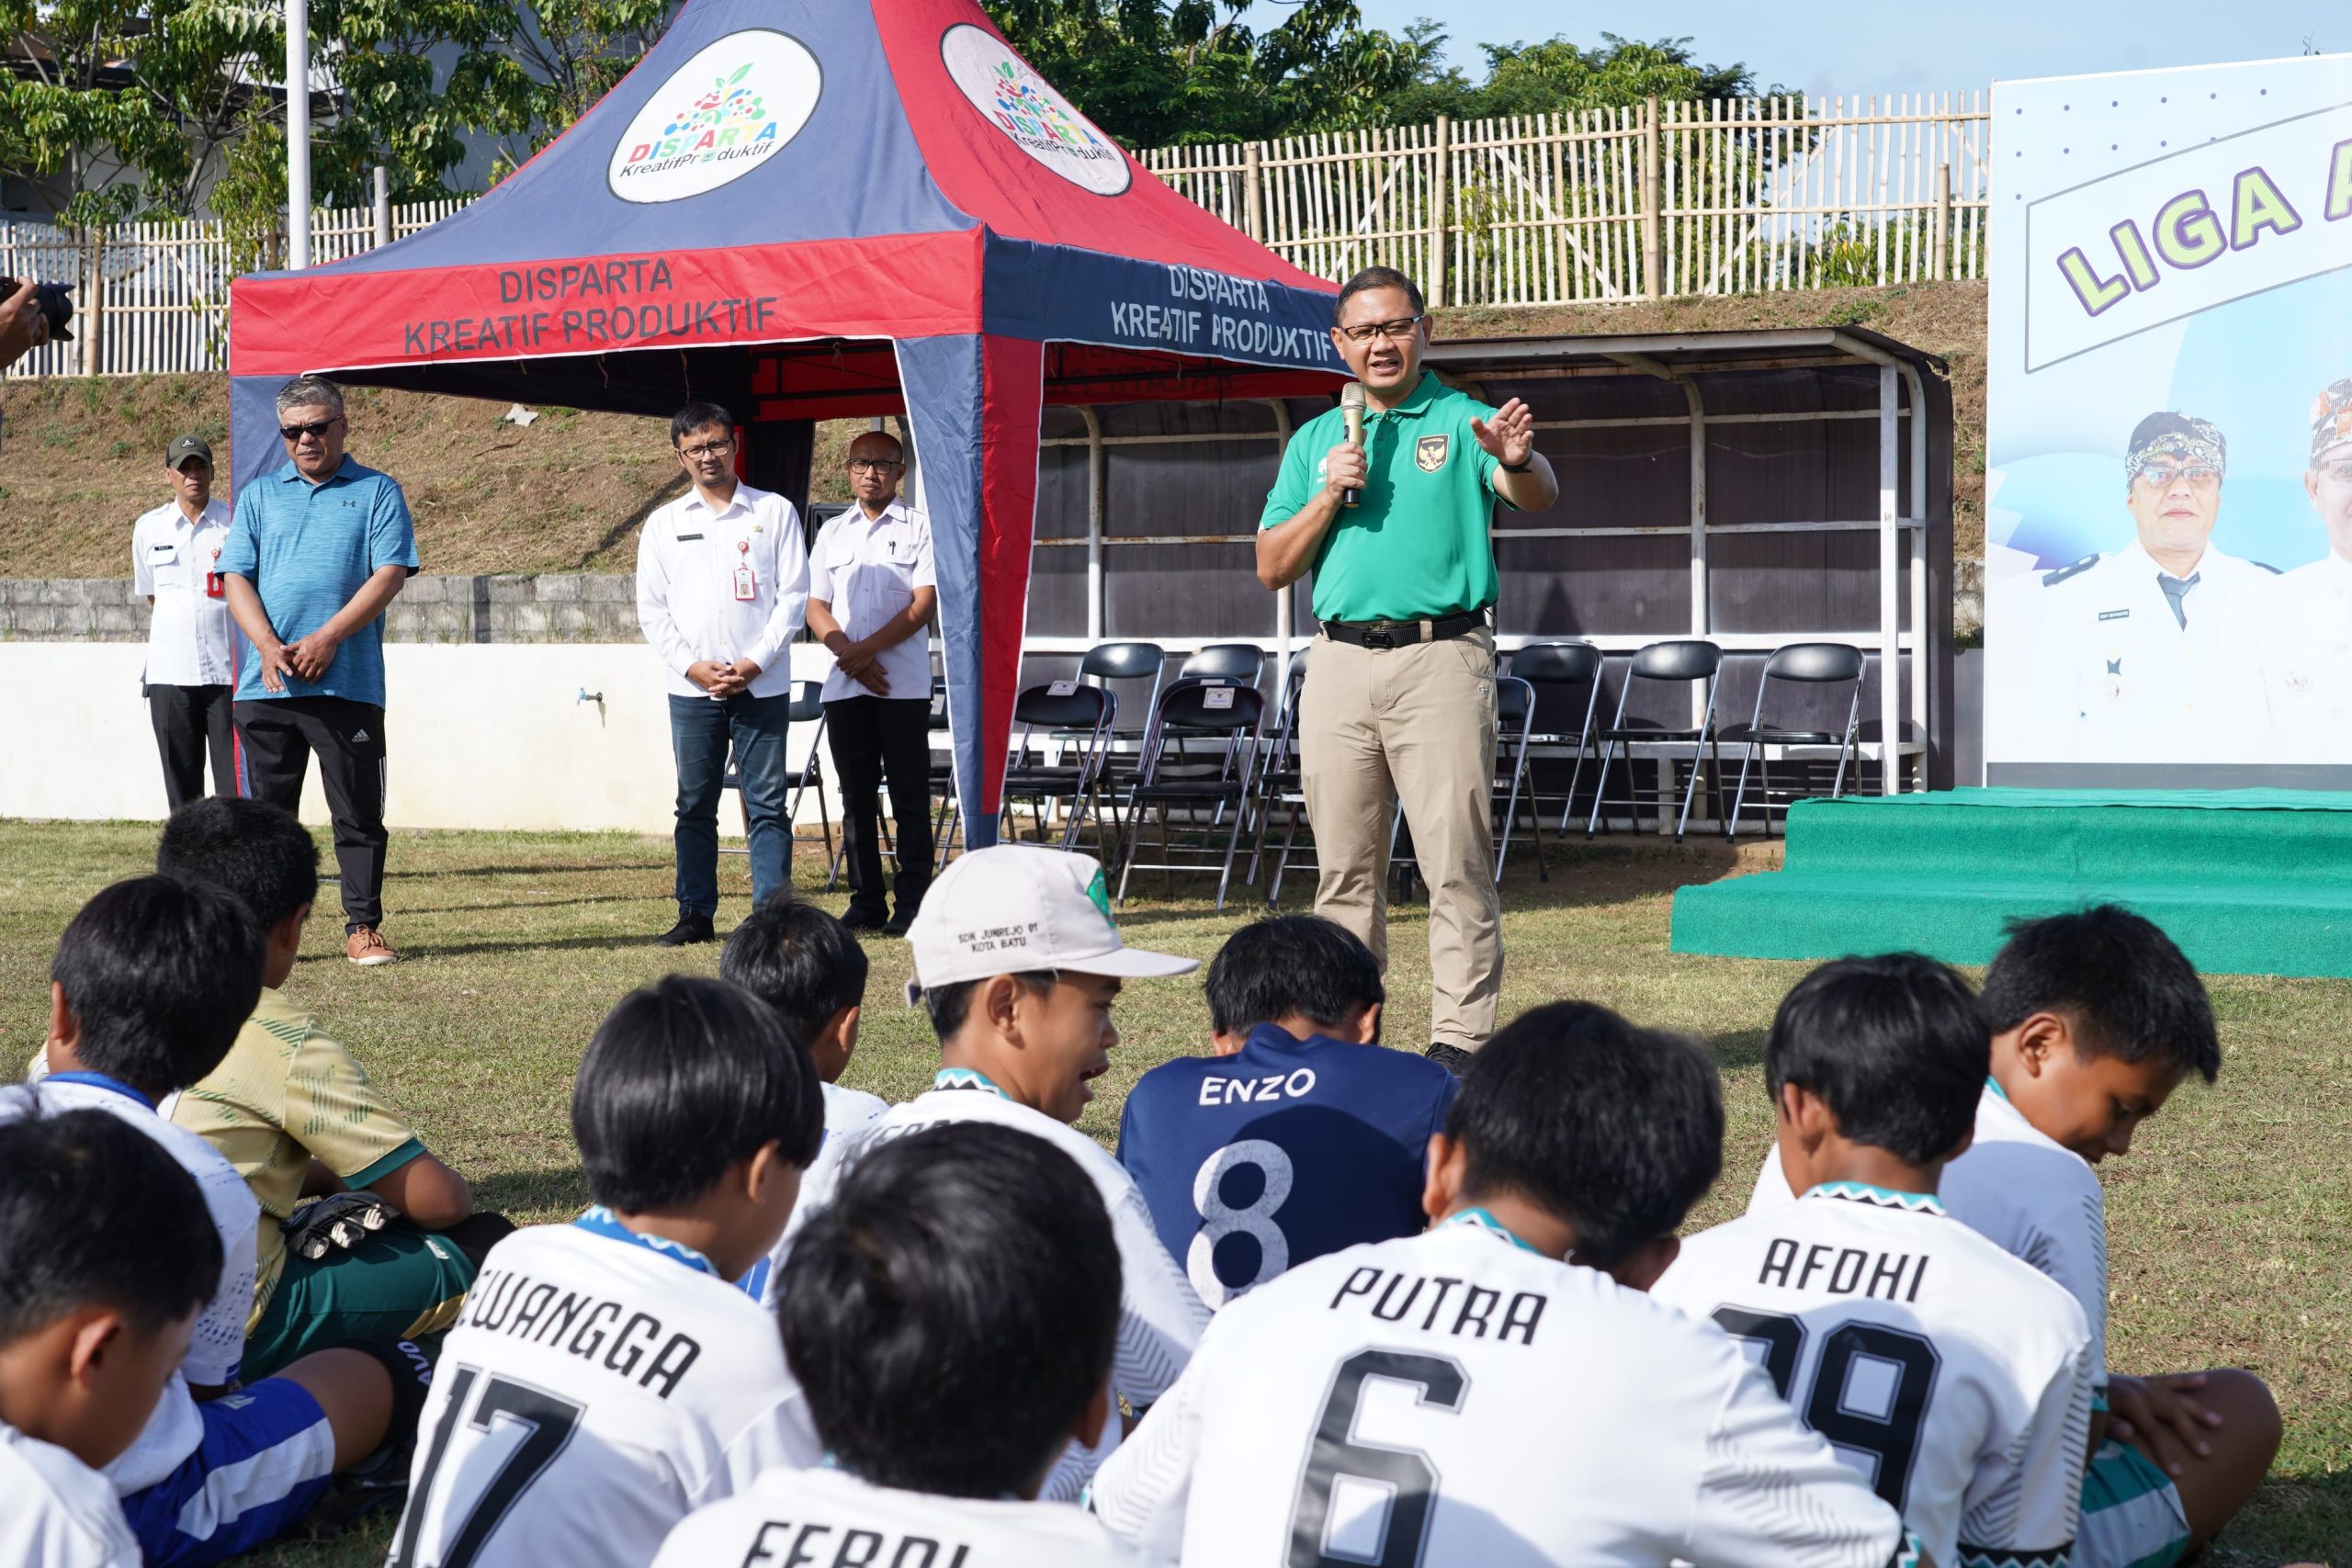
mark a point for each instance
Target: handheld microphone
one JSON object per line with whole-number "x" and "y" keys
{"x": 1352, "y": 409}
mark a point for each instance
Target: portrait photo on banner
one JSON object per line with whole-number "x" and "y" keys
{"x": 2168, "y": 465}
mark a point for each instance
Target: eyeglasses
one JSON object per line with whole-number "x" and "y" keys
{"x": 2160, "y": 477}
{"x": 2339, "y": 473}
{"x": 709, "y": 449}
{"x": 1396, "y": 331}
{"x": 316, "y": 430}
{"x": 872, "y": 465}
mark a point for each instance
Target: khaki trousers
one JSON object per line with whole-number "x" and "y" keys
{"x": 1414, "y": 725}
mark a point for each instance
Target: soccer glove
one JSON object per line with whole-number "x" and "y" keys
{"x": 335, "y": 1223}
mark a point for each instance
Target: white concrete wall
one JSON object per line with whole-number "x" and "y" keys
{"x": 479, "y": 736}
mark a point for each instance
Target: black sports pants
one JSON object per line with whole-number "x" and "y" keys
{"x": 279, "y": 736}
{"x": 870, "y": 736}
{"x": 190, "y": 720}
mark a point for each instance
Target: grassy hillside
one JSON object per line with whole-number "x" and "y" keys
{"x": 81, "y": 457}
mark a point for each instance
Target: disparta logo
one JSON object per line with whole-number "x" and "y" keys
{"x": 1035, "y": 117}
{"x": 717, "y": 118}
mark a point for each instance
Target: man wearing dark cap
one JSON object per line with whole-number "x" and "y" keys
{"x": 2288, "y": 678}
{"x": 175, "y": 566}
{"x": 2126, "y": 641}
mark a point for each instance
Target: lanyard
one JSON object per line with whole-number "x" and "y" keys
{"x": 1480, "y": 1220}
{"x": 600, "y": 1221}
{"x": 967, "y": 1078}
{"x": 99, "y": 1080}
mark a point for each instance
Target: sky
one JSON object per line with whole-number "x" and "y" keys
{"x": 1825, "y": 48}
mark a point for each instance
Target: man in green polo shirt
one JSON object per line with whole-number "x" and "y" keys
{"x": 1399, "y": 703}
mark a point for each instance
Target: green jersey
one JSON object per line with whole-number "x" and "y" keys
{"x": 1416, "y": 543}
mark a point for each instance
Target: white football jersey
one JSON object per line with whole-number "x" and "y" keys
{"x": 217, "y": 1349}
{"x": 848, "y": 1108}
{"x": 2034, "y": 1198}
{"x": 599, "y": 1388}
{"x": 1160, "y": 1316}
{"x": 1953, "y": 1377}
{"x": 1456, "y": 1398}
{"x": 821, "y": 1518}
{"x": 57, "y": 1511}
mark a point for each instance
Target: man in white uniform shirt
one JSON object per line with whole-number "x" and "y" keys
{"x": 2125, "y": 644}
{"x": 175, "y": 567}
{"x": 1019, "y": 962}
{"x": 1498, "y": 1391}
{"x": 722, "y": 585}
{"x": 871, "y": 592}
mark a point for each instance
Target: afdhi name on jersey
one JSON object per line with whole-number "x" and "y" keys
{"x": 1951, "y": 1376}
{"x": 622, "y": 1340}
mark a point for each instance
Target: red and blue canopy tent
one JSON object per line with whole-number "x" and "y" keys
{"x": 812, "y": 210}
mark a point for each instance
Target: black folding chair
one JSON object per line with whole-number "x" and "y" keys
{"x": 1682, "y": 662}
{"x": 1280, "y": 782}
{"x": 1062, "y": 708}
{"x": 1242, "y": 661}
{"x": 1514, "y": 719}
{"x": 1547, "y": 667}
{"x": 808, "y": 707}
{"x": 1817, "y": 664}
{"x": 1201, "y": 709}
{"x": 1124, "y": 663}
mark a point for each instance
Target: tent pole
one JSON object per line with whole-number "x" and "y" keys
{"x": 1890, "y": 634}
{"x": 298, "y": 134}
{"x": 1286, "y": 598}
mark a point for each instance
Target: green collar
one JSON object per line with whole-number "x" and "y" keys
{"x": 1427, "y": 390}
{"x": 1480, "y": 1220}
{"x": 1995, "y": 1085}
{"x": 968, "y": 1078}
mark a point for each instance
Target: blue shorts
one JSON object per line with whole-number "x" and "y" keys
{"x": 2132, "y": 1512}
{"x": 266, "y": 1455}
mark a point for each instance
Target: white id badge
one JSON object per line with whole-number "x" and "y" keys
{"x": 1217, "y": 697}
{"x": 747, "y": 586}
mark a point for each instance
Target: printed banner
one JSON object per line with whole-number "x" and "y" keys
{"x": 2168, "y": 466}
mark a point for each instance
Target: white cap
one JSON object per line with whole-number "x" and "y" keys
{"x": 1015, "y": 906}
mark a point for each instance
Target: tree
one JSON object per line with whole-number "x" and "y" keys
{"x": 1556, "y": 77}
{"x": 560, "y": 56}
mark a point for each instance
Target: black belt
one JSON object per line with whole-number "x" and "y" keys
{"x": 1397, "y": 634}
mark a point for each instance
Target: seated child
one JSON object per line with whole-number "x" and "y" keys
{"x": 966, "y": 1247}
{"x": 1955, "y": 1378}
{"x": 1300, "y": 1135}
{"x": 107, "y": 1254}
{"x": 2097, "y": 1018}
{"x": 806, "y": 966}
{"x": 604, "y": 1379}
{"x": 151, "y": 981}
{"x": 298, "y": 1118}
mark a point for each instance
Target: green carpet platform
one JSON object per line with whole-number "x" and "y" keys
{"x": 2248, "y": 882}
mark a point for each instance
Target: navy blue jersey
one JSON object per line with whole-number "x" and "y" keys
{"x": 1284, "y": 1151}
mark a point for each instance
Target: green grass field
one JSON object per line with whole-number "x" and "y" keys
{"x": 2227, "y": 1221}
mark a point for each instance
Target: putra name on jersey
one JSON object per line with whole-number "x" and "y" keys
{"x": 639, "y": 1349}
{"x": 1392, "y": 1296}
{"x": 1843, "y": 1270}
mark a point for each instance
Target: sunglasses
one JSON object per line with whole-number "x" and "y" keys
{"x": 317, "y": 429}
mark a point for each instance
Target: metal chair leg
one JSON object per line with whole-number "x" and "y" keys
{"x": 1739, "y": 797}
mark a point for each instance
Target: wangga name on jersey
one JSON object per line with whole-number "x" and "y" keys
{"x": 1392, "y": 1296}
{"x": 638, "y": 1347}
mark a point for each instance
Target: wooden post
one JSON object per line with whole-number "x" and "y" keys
{"x": 1940, "y": 263}
{"x": 1561, "y": 206}
{"x": 1434, "y": 284}
{"x": 1253, "y": 194}
{"x": 1653, "y": 200}
{"x": 90, "y": 313}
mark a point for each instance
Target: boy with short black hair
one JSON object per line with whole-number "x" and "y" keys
{"x": 1019, "y": 962}
{"x": 1955, "y": 1378}
{"x": 107, "y": 1255}
{"x": 298, "y": 1118}
{"x": 1300, "y": 1135}
{"x": 151, "y": 981}
{"x": 1497, "y": 1390}
{"x": 2096, "y": 1018}
{"x": 806, "y": 966}
{"x": 640, "y": 1384}
{"x": 962, "y": 1246}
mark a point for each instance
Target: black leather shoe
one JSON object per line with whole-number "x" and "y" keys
{"x": 690, "y": 929}
{"x": 898, "y": 926}
{"x": 1453, "y": 1058}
